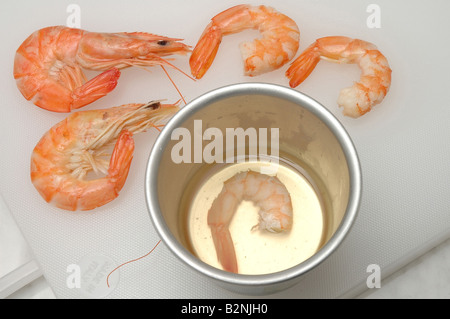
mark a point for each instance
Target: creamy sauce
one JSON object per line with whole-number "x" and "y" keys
{"x": 259, "y": 251}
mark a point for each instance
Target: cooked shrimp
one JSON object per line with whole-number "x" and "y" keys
{"x": 278, "y": 45}
{"x": 267, "y": 192}
{"x": 78, "y": 144}
{"x": 375, "y": 78}
{"x": 48, "y": 65}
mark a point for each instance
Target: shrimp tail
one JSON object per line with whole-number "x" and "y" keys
{"x": 205, "y": 51}
{"x": 302, "y": 67}
{"x": 224, "y": 248}
{"x": 95, "y": 88}
{"x": 121, "y": 159}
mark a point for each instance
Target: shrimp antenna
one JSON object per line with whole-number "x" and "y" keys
{"x": 176, "y": 88}
{"x": 107, "y": 278}
{"x": 179, "y": 70}
{"x": 165, "y": 71}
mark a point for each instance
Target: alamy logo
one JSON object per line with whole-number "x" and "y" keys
{"x": 374, "y": 279}
{"x": 374, "y": 19}
{"x": 74, "y": 17}
{"x": 235, "y": 145}
{"x": 89, "y": 276}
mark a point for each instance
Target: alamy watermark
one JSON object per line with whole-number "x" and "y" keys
{"x": 234, "y": 145}
{"x": 74, "y": 18}
{"x": 374, "y": 19}
{"x": 89, "y": 276}
{"x": 374, "y": 279}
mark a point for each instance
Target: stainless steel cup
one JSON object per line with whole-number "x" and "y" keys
{"x": 307, "y": 131}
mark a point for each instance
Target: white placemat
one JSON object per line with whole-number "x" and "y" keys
{"x": 402, "y": 144}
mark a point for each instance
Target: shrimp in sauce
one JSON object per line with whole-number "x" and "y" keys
{"x": 265, "y": 191}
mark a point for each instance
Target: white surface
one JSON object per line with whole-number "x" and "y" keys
{"x": 403, "y": 143}
{"x": 17, "y": 264}
{"x": 38, "y": 289}
{"x": 424, "y": 278}
{"x": 427, "y": 277}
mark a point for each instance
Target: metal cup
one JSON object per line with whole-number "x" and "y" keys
{"x": 307, "y": 132}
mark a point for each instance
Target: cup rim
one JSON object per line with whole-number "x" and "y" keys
{"x": 255, "y": 88}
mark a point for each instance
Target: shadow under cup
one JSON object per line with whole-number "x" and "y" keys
{"x": 308, "y": 133}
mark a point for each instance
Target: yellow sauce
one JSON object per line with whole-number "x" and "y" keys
{"x": 259, "y": 251}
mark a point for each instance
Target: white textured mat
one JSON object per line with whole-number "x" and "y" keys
{"x": 402, "y": 144}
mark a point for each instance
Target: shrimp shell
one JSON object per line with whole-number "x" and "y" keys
{"x": 278, "y": 45}
{"x": 375, "y": 77}
{"x": 48, "y": 64}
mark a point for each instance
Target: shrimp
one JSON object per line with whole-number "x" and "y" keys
{"x": 78, "y": 144}
{"x": 375, "y": 78}
{"x": 278, "y": 45}
{"x": 48, "y": 64}
{"x": 267, "y": 192}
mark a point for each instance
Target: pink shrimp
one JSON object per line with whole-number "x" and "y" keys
{"x": 278, "y": 45}
{"x": 375, "y": 78}
{"x": 267, "y": 192}
{"x": 48, "y": 64}
{"x": 78, "y": 145}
